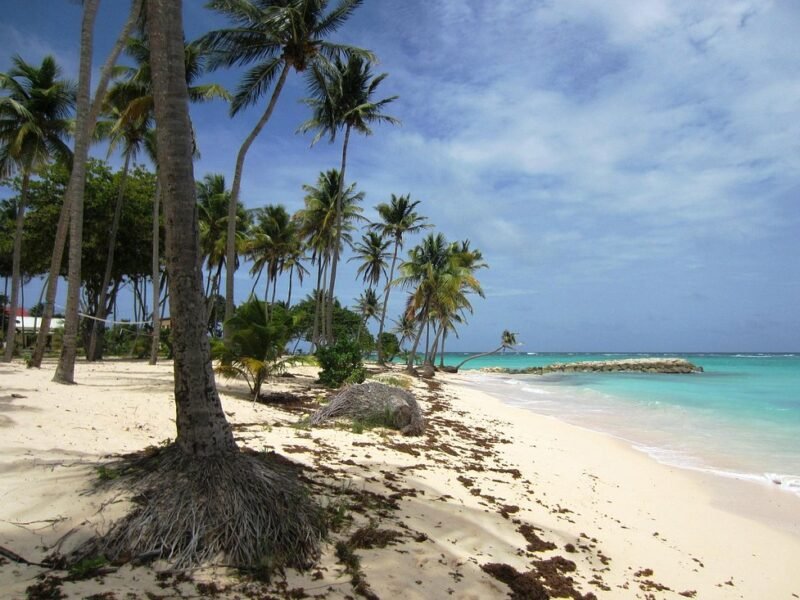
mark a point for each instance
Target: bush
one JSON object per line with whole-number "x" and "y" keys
{"x": 341, "y": 363}
{"x": 389, "y": 345}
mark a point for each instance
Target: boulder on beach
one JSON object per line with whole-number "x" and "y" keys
{"x": 376, "y": 403}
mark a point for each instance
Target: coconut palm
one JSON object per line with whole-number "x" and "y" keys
{"x": 368, "y": 307}
{"x": 397, "y": 220}
{"x": 269, "y": 244}
{"x": 131, "y": 134}
{"x": 372, "y": 252}
{"x": 34, "y": 122}
{"x": 319, "y": 229}
{"x": 441, "y": 280}
{"x": 275, "y": 36}
{"x": 184, "y": 514}
{"x": 508, "y": 340}
{"x": 342, "y": 100}
{"x": 293, "y": 261}
{"x": 212, "y": 207}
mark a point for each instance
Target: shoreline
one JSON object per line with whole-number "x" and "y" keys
{"x": 744, "y": 494}
{"x": 676, "y": 435}
{"x": 488, "y": 484}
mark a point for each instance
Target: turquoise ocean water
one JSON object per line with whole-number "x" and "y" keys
{"x": 740, "y": 418}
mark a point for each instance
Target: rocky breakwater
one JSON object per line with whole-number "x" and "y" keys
{"x": 626, "y": 365}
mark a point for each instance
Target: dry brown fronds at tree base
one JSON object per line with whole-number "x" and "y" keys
{"x": 246, "y": 508}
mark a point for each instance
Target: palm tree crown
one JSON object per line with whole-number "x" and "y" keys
{"x": 273, "y": 35}
{"x": 342, "y": 98}
{"x": 34, "y": 116}
{"x": 372, "y": 252}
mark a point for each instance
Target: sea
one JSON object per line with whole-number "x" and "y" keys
{"x": 739, "y": 418}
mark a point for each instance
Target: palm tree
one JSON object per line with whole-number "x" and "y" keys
{"x": 319, "y": 228}
{"x": 398, "y": 219}
{"x": 212, "y": 207}
{"x": 293, "y": 261}
{"x": 130, "y": 134}
{"x": 368, "y": 309}
{"x": 508, "y": 340}
{"x": 34, "y": 121}
{"x": 184, "y": 515}
{"x": 269, "y": 244}
{"x": 276, "y": 35}
{"x": 372, "y": 252}
{"x": 442, "y": 278}
{"x": 342, "y": 100}
{"x": 405, "y": 327}
{"x": 72, "y": 210}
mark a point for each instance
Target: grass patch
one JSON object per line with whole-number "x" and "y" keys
{"x": 107, "y": 473}
{"x": 87, "y": 567}
{"x": 306, "y": 360}
{"x": 393, "y": 380}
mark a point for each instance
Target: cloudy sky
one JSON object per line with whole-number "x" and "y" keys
{"x": 629, "y": 169}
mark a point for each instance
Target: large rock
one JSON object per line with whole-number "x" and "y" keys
{"x": 375, "y": 402}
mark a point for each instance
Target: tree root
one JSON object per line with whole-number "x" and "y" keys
{"x": 245, "y": 507}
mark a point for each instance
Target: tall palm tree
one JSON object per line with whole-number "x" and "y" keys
{"x": 131, "y": 135}
{"x": 276, "y": 36}
{"x": 202, "y": 474}
{"x": 75, "y": 188}
{"x": 319, "y": 228}
{"x": 342, "y": 100}
{"x": 397, "y": 220}
{"x": 34, "y": 121}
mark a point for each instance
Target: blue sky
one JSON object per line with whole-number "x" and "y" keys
{"x": 630, "y": 170}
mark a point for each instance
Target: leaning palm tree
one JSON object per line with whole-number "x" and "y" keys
{"x": 508, "y": 340}
{"x": 276, "y": 36}
{"x": 342, "y": 100}
{"x": 398, "y": 219}
{"x": 34, "y": 121}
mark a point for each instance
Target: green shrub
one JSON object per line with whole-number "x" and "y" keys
{"x": 341, "y": 363}
{"x": 390, "y": 346}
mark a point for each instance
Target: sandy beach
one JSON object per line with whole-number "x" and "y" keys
{"x": 490, "y": 494}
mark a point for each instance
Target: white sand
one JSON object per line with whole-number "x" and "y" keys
{"x": 623, "y": 512}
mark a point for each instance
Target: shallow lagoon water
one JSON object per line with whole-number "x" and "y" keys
{"x": 739, "y": 418}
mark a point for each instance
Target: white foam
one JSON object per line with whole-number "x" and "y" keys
{"x": 533, "y": 390}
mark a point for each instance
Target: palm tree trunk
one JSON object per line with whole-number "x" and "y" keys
{"x": 338, "y": 240}
{"x": 318, "y": 304}
{"x": 63, "y": 220}
{"x": 11, "y": 331}
{"x": 203, "y": 430}
{"x": 156, "y": 341}
{"x": 413, "y": 353}
{"x": 100, "y": 315}
{"x": 230, "y": 254}
{"x": 441, "y": 354}
{"x": 386, "y": 300}
{"x": 474, "y": 356}
{"x": 289, "y": 297}
{"x": 65, "y": 372}
{"x": 432, "y": 356}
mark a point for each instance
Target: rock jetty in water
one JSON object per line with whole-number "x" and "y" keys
{"x": 625, "y": 365}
